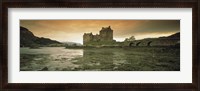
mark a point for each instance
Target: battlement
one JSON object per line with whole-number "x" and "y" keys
{"x": 105, "y": 35}
{"x": 105, "y": 28}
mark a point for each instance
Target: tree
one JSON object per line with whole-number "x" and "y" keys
{"x": 74, "y": 44}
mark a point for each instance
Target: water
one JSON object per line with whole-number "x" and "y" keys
{"x": 100, "y": 59}
{"x": 54, "y": 58}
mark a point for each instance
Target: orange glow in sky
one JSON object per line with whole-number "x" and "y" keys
{"x": 73, "y": 30}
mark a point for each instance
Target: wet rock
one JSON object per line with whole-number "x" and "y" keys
{"x": 44, "y": 69}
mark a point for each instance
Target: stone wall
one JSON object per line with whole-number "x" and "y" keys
{"x": 153, "y": 42}
{"x": 105, "y": 37}
{"x": 87, "y": 37}
{"x": 106, "y": 34}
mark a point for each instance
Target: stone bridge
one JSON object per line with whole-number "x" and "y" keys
{"x": 153, "y": 42}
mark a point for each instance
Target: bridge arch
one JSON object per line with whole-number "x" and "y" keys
{"x": 131, "y": 44}
{"x": 138, "y": 43}
{"x": 149, "y": 43}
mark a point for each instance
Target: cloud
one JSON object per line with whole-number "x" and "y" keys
{"x": 72, "y": 30}
{"x": 154, "y": 26}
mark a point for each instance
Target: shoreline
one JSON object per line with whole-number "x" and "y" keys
{"x": 87, "y": 47}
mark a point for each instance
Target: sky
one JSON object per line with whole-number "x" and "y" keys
{"x": 73, "y": 30}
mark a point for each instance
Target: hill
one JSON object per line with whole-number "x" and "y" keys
{"x": 172, "y": 40}
{"x": 28, "y": 39}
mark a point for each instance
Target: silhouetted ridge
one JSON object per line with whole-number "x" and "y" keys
{"x": 27, "y": 39}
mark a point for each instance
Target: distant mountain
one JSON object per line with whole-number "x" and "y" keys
{"x": 72, "y": 43}
{"x": 27, "y": 39}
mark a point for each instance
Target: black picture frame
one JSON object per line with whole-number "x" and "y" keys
{"x": 194, "y": 4}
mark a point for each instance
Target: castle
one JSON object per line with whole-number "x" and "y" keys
{"x": 105, "y": 36}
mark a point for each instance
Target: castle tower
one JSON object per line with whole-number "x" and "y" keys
{"x": 87, "y": 37}
{"x": 105, "y": 37}
{"x": 106, "y": 34}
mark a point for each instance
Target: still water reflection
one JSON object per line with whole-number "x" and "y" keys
{"x": 100, "y": 59}
{"x": 54, "y": 58}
